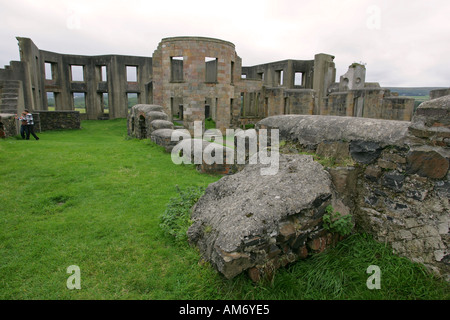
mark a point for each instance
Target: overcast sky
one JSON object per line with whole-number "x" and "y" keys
{"x": 402, "y": 42}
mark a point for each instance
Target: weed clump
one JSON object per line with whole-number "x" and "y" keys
{"x": 176, "y": 219}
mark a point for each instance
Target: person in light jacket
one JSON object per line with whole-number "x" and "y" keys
{"x": 30, "y": 125}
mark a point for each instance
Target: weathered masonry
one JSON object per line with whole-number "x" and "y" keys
{"x": 193, "y": 78}
{"x": 100, "y": 80}
{"x": 392, "y": 177}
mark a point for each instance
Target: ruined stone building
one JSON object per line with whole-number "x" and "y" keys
{"x": 193, "y": 78}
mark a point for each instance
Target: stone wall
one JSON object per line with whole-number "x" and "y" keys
{"x": 393, "y": 175}
{"x": 56, "y": 120}
{"x": 180, "y": 74}
{"x": 8, "y": 125}
{"x": 369, "y": 103}
{"x": 437, "y": 93}
{"x": 101, "y": 78}
{"x": 43, "y": 121}
{"x": 399, "y": 108}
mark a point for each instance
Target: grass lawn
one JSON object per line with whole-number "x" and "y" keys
{"x": 93, "y": 198}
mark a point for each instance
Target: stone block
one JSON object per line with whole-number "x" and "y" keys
{"x": 303, "y": 252}
{"x": 344, "y": 179}
{"x": 229, "y": 204}
{"x": 372, "y": 173}
{"x": 394, "y": 181}
{"x": 365, "y": 152}
{"x": 393, "y": 157}
{"x": 336, "y": 149}
{"x": 427, "y": 164}
{"x": 287, "y": 231}
{"x": 386, "y": 164}
{"x": 425, "y": 231}
{"x": 163, "y": 137}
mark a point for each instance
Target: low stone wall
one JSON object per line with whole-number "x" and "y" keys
{"x": 8, "y": 125}
{"x": 149, "y": 121}
{"x": 393, "y": 175}
{"x": 56, "y": 120}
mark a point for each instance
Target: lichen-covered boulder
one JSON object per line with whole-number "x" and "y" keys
{"x": 250, "y": 221}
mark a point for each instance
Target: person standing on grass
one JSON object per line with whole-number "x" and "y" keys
{"x": 30, "y": 125}
{"x": 23, "y": 123}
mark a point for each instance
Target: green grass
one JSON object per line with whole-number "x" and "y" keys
{"x": 94, "y": 198}
{"x": 210, "y": 124}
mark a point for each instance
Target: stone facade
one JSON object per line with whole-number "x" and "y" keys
{"x": 353, "y": 97}
{"x": 194, "y": 78}
{"x": 102, "y": 80}
{"x": 195, "y": 72}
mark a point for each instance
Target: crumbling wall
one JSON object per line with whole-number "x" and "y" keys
{"x": 373, "y": 103}
{"x": 395, "y": 177}
{"x": 437, "y": 93}
{"x": 102, "y": 78}
{"x": 399, "y": 108}
{"x": 57, "y": 120}
{"x": 183, "y": 72}
{"x": 8, "y": 125}
{"x": 11, "y": 96}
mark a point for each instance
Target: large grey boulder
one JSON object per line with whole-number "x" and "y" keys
{"x": 248, "y": 220}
